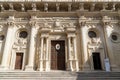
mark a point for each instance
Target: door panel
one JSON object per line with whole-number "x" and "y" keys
{"x": 19, "y": 59}
{"x": 58, "y": 55}
{"x": 97, "y": 61}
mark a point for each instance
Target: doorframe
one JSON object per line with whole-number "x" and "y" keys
{"x": 13, "y": 59}
{"x": 100, "y": 60}
{"x": 21, "y": 59}
{"x": 61, "y": 39}
{"x": 102, "y": 57}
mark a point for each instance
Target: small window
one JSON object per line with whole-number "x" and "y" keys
{"x": 92, "y": 34}
{"x": 2, "y": 37}
{"x": 23, "y": 34}
{"x": 114, "y": 37}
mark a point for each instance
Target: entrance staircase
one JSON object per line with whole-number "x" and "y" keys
{"x": 58, "y": 75}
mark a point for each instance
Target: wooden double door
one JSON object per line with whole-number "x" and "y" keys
{"x": 19, "y": 61}
{"x": 58, "y": 55}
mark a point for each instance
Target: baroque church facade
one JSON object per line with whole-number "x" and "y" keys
{"x": 59, "y": 35}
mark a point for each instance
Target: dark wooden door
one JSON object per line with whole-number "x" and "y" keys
{"x": 19, "y": 60}
{"x": 96, "y": 61}
{"x": 58, "y": 55}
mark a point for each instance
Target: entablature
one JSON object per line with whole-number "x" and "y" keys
{"x": 56, "y": 6}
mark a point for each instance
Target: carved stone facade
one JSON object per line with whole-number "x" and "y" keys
{"x": 90, "y": 32}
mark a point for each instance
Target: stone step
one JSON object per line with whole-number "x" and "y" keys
{"x": 58, "y": 75}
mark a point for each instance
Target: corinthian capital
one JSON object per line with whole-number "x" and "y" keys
{"x": 32, "y": 23}
{"x": 107, "y": 23}
{"x": 82, "y": 23}
{"x": 106, "y": 20}
{"x": 11, "y": 23}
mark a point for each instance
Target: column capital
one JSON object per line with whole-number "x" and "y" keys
{"x": 44, "y": 35}
{"x": 32, "y": 23}
{"x": 106, "y": 20}
{"x": 105, "y": 23}
{"x": 69, "y": 35}
{"x": 11, "y": 23}
{"x": 82, "y": 23}
{"x": 82, "y": 20}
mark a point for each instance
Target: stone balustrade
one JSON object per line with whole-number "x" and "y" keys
{"x": 63, "y": 0}
{"x": 59, "y": 6}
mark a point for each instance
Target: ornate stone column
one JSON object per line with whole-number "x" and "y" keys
{"x": 30, "y": 65}
{"x": 7, "y": 46}
{"x": 72, "y": 53}
{"x": 108, "y": 45}
{"x": 44, "y": 49}
{"x": 75, "y": 52}
{"x": 83, "y": 30}
{"x": 47, "y": 54}
{"x": 69, "y": 54}
{"x": 44, "y": 54}
{"x": 41, "y": 54}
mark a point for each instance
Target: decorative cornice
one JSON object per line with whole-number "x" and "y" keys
{"x": 80, "y": 5}
{"x": 60, "y": 0}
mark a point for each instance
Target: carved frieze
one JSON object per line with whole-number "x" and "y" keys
{"x": 95, "y": 42}
{"x": 20, "y": 44}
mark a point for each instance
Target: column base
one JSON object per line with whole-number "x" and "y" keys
{"x": 114, "y": 68}
{"x": 86, "y": 67}
{"x": 29, "y": 68}
{"x": 47, "y": 69}
{"x": 4, "y": 68}
{"x": 77, "y": 66}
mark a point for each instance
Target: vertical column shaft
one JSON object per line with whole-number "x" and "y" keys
{"x": 31, "y": 49}
{"x": 75, "y": 53}
{"x": 47, "y": 55}
{"x": 109, "y": 49}
{"x": 84, "y": 50}
{"x": 41, "y": 54}
{"x": 69, "y": 50}
{"x": 6, "y": 51}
